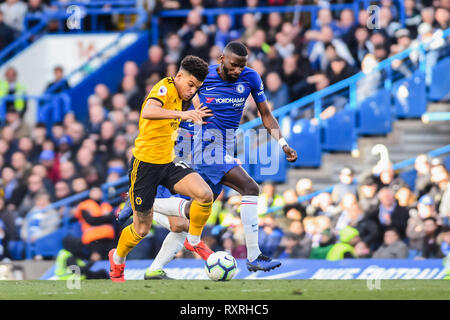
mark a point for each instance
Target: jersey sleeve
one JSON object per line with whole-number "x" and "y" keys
{"x": 160, "y": 92}
{"x": 257, "y": 87}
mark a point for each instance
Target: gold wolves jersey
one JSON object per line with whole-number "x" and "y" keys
{"x": 156, "y": 138}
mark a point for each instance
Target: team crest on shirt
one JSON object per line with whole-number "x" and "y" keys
{"x": 162, "y": 91}
{"x": 138, "y": 201}
{"x": 240, "y": 88}
{"x": 228, "y": 159}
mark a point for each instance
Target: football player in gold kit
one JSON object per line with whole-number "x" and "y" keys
{"x": 152, "y": 163}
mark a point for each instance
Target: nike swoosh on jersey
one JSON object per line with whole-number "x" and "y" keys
{"x": 209, "y": 88}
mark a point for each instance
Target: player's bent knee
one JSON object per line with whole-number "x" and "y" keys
{"x": 251, "y": 189}
{"x": 204, "y": 195}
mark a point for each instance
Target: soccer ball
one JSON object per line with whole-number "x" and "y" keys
{"x": 220, "y": 266}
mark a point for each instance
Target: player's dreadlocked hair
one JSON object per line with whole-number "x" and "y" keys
{"x": 236, "y": 47}
{"x": 195, "y": 66}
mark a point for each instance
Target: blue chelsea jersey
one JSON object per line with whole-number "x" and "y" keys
{"x": 227, "y": 99}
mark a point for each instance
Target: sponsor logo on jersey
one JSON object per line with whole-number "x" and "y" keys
{"x": 209, "y": 100}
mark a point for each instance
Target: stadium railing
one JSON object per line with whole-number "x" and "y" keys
{"x": 435, "y": 116}
{"x": 397, "y": 166}
{"x": 86, "y": 10}
{"x": 49, "y": 107}
{"x": 211, "y": 14}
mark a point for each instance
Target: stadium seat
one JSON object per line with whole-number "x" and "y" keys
{"x": 440, "y": 81}
{"x": 374, "y": 114}
{"x": 49, "y": 245}
{"x": 305, "y": 139}
{"x": 338, "y": 132}
{"x": 16, "y": 249}
{"x": 410, "y": 99}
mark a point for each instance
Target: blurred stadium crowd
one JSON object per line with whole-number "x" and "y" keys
{"x": 377, "y": 217}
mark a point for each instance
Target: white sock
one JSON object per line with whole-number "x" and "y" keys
{"x": 249, "y": 218}
{"x": 161, "y": 219}
{"x": 118, "y": 259}
{"x": 173, "y": 206}
{"x": 173, "y": 243}
{"x": 193, "y": 240}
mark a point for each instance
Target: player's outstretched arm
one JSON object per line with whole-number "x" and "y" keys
{"x": 271, "y": 124}
{"x": 153, "y": 111}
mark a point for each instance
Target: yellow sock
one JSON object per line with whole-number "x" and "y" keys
{"x": 199, "y": 214}
{"x": 127, "y": 241}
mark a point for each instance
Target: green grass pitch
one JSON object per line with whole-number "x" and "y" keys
{"x": 233, "y": 290}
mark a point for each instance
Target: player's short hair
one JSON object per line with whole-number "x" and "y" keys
{"x": 195, "y": 66}
{"x": 236, "y": 47}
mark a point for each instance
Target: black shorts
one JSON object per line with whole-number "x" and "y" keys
{"x": 146, "y": 177}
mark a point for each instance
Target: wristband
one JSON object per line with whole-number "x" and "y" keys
{"x": 282, "y": 142}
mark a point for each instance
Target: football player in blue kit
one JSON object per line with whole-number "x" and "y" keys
{"x": 224, "y": 91}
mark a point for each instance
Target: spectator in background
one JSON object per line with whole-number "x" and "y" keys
{"x": 12, "y": 188}
{"x": 344, "y": 249}
{"x": 103, "y": 93}
{"x": 6, "y": 33}
{"x": 439, "y": 180}
{"x": 390, "y": 179}
{"x": 431, "y": 248}
{"x": 39, "y": 222}
{"x": 347, "y": 184}
{"x": 50, "y": 161}
{"x": 274, "y": 22}
{"x": 268, "y": 198}
{"x": 269, "y": 235}
{"x": 276, "y": 91}
{"x": 412, "y": 17}
{"x": 422, "y": 167}
{"x": 10, "y": 86}
{"x": 59, "y": 84}
{"x": 318, "y": 56}
{"x": 367, "y": 192}
{"x": 415, "y": 229}
{"x": 62, "y": 190}
{"x": 324, "y": 245}
{"x": 67, "y": 171}
{"x": 389, "y": 213}
{"x": 224, "y": 32}
{"x": 294, "y": 75}
{"x": 442, "y": 18}
{"x": 289, "y": 247}
{"x": 249, "y": 27}
{"x": 20, "y": 163}
{"x": 345, "y": 23}
{"x": 96, "y": 219}
{"x": 193, "y": 22}
{"x": 338, "y": 70}
{"x": 393, "y": 247}
{"x": 198, "y": 45}
{"x": 362, "y": 45}
{"x": 133, "y": 95}
{"x": 174, "y": 49}
{"x": 154, "y": 64}
{"x": 443, "y": 239}
{"x": 14, "y": 12}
